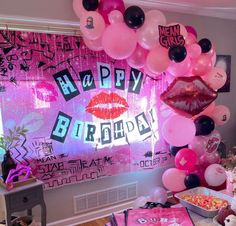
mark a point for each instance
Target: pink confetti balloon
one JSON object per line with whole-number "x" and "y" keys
{"x": 190, "y": 39}
{"x": 194, "y": 50}
{"x": 202, "y": 65}
{"x": 119, "y": 41}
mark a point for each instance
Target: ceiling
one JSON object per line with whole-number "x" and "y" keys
{"x": 215, "y": 8}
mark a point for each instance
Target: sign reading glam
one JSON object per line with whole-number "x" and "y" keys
{"x": 104, "y": 106}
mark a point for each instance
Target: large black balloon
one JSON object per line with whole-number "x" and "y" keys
{"x": 177, "y": 53}
{"x": 90, "y": 5}
{"x": 205, "y": 45}
{"x": 174, "y": 150}
{"x": 204, "y": 125}
{"x": 192, "y": 181}
{"x": 134, "y": 17}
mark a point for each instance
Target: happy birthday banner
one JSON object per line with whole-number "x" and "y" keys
{"x": 88, "y": 115}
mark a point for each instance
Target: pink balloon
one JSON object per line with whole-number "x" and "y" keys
{"x": 186, "y": 159}
{"x": 202, "y": 65}
{"x": 194, "y": 50}
{"x": 173, "y": 179}
{"x": 180, "y": 69}
{"x": 215, "y": 78}
{"x": 159, "y": 194}
{"x": 148, "y": 34}
{"x": 213, "y": 59}
{"x": 190, "y": 39}
{"x": 208, "y": 111}
{"x": 78, "y": 8}
{"x": 156, "y": 16}
{"x": 198, "y": 144}
{"x": 183, "y": 30}
{"x": 208, "y": 159}
{"x": 138, "y": 58}
{"x": 153, "y": 75}
{"x": 158, "y": 59}
{"x": 191, "y": 30}
{"x": 175, "y": 133}
{"x": 95, "y": 45}
{"x": 215, "y": 175}
{"x": 115, "y": 16}
{"x": 119, "y": 41}
{"x": 92, "y": 25}
{"x": 221, "y": 115}
{"x": 106, "y": 6}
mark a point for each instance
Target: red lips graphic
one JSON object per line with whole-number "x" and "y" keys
{"x": 189, "y": 95}
{"x": 107, "y": 99}
{"x": 45, "y": 91}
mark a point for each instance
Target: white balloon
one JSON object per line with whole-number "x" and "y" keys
{"x": 139, "y": 202}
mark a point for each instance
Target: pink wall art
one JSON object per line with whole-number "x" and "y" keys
{"x": 88, "y": 116}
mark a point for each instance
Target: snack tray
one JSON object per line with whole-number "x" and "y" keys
{"x": 201, "y": 191}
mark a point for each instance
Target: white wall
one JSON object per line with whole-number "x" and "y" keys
{"x": 221, "y": 32}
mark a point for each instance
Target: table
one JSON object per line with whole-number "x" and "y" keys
{"x": 24, "y": 198}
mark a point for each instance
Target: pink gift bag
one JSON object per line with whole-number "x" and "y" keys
{"x": 152, "y": 217}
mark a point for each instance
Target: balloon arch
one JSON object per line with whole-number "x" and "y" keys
{"x": 147, "y": 42}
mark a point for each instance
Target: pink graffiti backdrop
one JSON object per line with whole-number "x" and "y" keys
{"x": 31, "y": 97}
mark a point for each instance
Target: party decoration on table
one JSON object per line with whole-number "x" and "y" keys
{"x": 204, "y": 125}
{"x": 188, "y": 95}
{"x": 21, "y": 173}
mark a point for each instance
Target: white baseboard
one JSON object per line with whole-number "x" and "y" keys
{"x": 82, "y": 218}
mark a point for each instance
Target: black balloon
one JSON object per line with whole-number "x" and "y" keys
{"x": 90, "y": 5}
{"x": 134, "y": 17}
{"x": 174, "y": 150}
{"x": 204, "y": 125}
{"x": 205, "y": 45}
{"x": 177, "y": 53}
{"x": 192, "y": 181}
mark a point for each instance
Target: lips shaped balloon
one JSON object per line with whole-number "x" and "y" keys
{"x": 189, "y": 95}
